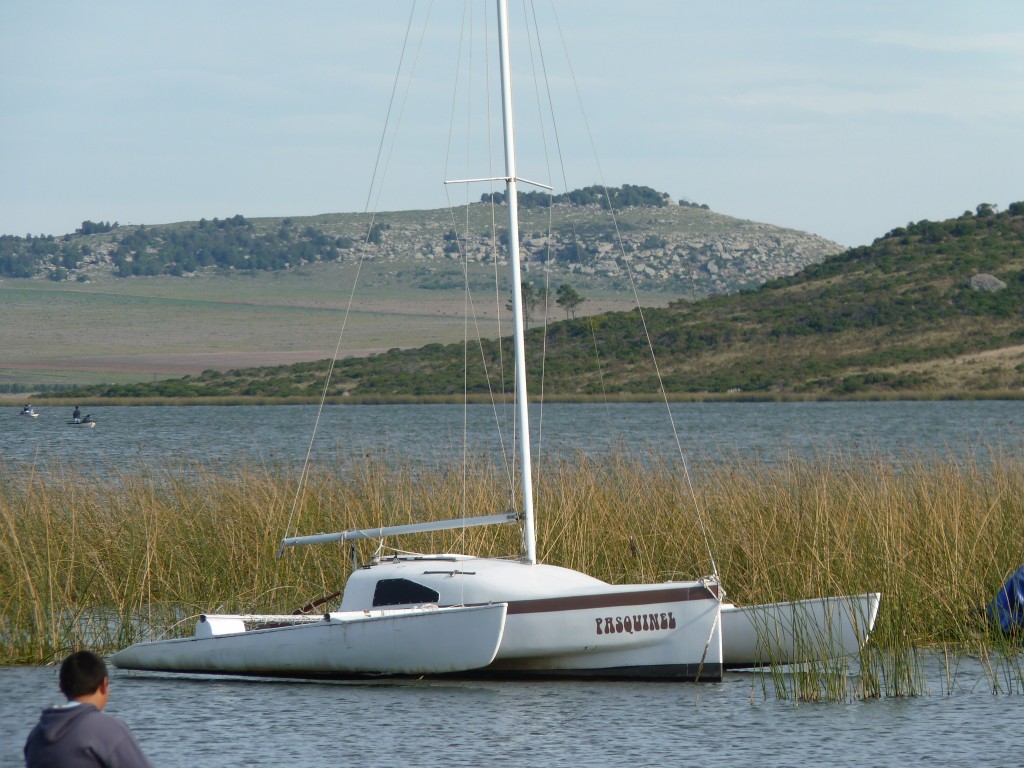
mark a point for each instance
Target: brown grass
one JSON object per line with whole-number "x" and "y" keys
{"x": 97, "y": 562}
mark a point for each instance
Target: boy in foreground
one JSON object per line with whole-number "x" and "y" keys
{"x": 79, "y": 734}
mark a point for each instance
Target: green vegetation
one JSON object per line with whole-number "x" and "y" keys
{"x": 87, "y": 563}
{"x": 569, "y": 299}
{"x": 227, "y": 244}
{"x": 898, "y": 317}
{"x": 230, "y": 244}
{"x": 96, "y": 227}
{"x": 533, "y": 296}
{"x": 611, "y": 197}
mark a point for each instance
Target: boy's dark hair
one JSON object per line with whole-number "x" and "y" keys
{"x": 81, "y": 674}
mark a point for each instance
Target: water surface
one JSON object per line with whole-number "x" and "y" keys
{"x": 207, "y": 722}
{"x": 151, "y": 435}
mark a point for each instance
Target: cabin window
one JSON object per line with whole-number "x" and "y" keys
{"x": 402, "y": 592}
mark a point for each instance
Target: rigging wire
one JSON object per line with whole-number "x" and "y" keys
{"x": 565, "y": 185}
{"x": 467, "y": 23}
{"x": 547, "y": 164}
{"x": 572, "y": 222}
{"x": 376, "y": 180}
{"x": 643, "y": 320}
{"x": 493, "y": 210}
{"x": 461, "y": 241}
{"x": 380, "y": 170}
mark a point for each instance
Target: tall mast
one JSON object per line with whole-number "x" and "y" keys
{"x": 522, "y": 405}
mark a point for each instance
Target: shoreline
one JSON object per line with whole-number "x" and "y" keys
{"x": 679, "y": 397}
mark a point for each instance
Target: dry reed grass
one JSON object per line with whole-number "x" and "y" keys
{"x": 98, "y": 563}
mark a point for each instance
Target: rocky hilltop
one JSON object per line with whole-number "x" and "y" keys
{"x": 682, "y": 248}
{"x": 677, "y": 247}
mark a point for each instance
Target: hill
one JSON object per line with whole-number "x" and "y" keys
{"x": 933, "y": 307}
{"x": 666, "y": 245}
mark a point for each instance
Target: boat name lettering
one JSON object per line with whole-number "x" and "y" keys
{"x": 644, "y": 622}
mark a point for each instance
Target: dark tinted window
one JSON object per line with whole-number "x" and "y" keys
{"x": 402, "y": 592}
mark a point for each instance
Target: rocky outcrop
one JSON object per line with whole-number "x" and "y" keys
{"x": 678, "y": 248}
{"x": 985, "y": 282}
{"x": 686, "y": 250}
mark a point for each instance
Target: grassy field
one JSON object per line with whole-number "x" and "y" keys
{"x": 88, "y": 563}
{"x": 120, "y": 330}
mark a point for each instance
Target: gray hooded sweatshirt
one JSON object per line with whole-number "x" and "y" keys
{"x": 81, "y": 736}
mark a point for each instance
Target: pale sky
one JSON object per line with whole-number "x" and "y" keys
{"x": 845, "y": 119}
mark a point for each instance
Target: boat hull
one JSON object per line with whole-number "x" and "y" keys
{"x": 648, "y": 632}
{"x": 798, "y": 631}
{"x": 418, "y": 641}
{"x": 565, "y": 624}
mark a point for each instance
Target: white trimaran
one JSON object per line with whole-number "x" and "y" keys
{"x": 451, "y": 613}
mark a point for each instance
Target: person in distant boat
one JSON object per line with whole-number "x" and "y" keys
{"x": 76, "y": 415}
{"x": 87, "y": 419}
{"x": 79, "y": 733}
{"x": 27, "y": 408}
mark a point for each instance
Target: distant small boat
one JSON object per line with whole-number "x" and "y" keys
{"x": 83, "y": 423}
{"x": 30, "y": 412}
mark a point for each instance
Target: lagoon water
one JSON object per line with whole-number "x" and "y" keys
{"x": 215, "y": 722}
{"x": 191, "y": 722}
{"x": 127, "y": 437}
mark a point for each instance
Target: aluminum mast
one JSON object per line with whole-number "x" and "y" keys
{"x": 522, "y": 406}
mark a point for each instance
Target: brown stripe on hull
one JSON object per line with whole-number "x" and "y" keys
{"x": 612, "y": 600}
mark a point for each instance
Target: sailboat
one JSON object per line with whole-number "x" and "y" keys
{"x": 409, "y": 614}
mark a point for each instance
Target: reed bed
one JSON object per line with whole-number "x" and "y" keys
{"x": 142, "y": 553}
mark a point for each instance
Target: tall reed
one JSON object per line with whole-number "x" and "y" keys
{"x": 104, "y": 562}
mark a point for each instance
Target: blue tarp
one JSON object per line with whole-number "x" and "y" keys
{"x": 1008, "y": 606}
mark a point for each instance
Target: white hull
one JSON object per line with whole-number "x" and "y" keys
{"x": 419, "y": 641}
{"x": 796, "y": 632}
{"x": 562, "y": 623}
